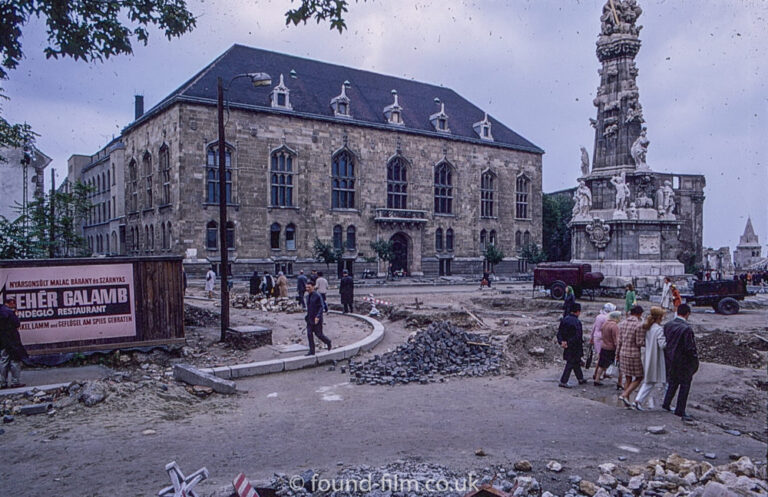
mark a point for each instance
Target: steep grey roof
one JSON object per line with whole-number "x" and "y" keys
{"x": 316, "y": 83}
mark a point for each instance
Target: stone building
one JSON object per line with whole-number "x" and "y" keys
{"x": 331, "y": 153}
{"x": 632, "y": 223}
{"x": 748, "y": 251}
{"x": 104, "y": 228}
{"x": 14, "y": 173}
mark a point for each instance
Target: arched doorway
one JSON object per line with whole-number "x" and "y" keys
{"x": 400, "y": 248}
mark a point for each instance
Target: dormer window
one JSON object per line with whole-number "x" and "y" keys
{"x": 393, "y": 112}
{"x": 281, "y": 95}
{"x": 340, "y": 103}
{"x": 440, "y": 119}
{"x": 483, "y": 128}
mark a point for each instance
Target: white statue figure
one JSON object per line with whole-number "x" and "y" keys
{"x": 584, "y": 162}
{"x": 622, "y": 191}
{"x": 632, "y": 211}
{"x": 582, "y": 200}
{"x": 669, "y": 198}
{"x": 660, "y": 201}
{"x": 640, "y": 149}
{"x": 642, "y": 201}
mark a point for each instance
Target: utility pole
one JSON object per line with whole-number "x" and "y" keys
{"x": 223, "y": 213}
{"x": 52, "y": 241}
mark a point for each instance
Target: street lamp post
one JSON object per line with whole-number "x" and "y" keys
{"x": 258, "y": 79}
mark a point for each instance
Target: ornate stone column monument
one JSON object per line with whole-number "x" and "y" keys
{"x": 631, "y": 223}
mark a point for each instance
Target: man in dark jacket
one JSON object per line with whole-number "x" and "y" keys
{"x": 347, "y": 291}
{"x": 254, "y": 284}
{"x": 682, "y": 360}
{"x": 301, "y": 287}
{"x": 12, "y": 352}
{"x": 570, "y": 338}
{"x": 314, "y": 318}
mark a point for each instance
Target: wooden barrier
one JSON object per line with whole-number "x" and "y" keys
{"x": 75, "y": 305}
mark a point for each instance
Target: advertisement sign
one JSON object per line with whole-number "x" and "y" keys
{"x": 66, "y": 303}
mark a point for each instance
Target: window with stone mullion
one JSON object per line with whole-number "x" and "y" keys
{"x": 165, "y": 169}
{"x": 281, "y": 180}
{"x": 397, "y": 185}
{"x": 343, "y": 182}
{"x": 443, "y": 189}
{"x": 212, "y": 176}
{"x": 486, "y": 195}
{"x": 148, "y": 180}
{"x": 521, "y": 198}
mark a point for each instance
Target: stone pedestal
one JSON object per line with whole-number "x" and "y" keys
{"x": 249, "y": 337}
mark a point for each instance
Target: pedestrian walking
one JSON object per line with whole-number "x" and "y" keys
{"x": 281, "y": 287}
{"x": 631, "y": 339}
{"x": 314, "y": 318}
{"x": 682, "y": 361}
{"x": 630, "y": 299}
{"x": 676, "y": 298}
{"x": 321, "y": 285}
{"x": 654, "y": 364}
{"x": 570, "y": 337}
{"x": 609, "y": 335}
{"x": 210, "y": 281}
{"x": 301, "y": 287}
{"x": 267, "y": 284}
{"x": 666, "y": 293}
{"x": 347, "y": 291}
{"x": 486, "y": 280}
{"x": 12, "y": 352}
{"x": 569, "y": 300}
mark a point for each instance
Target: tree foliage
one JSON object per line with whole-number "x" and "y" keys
{"x": 384, "y": 249}
{"x": 532, "y": 254}
{"x": 556, "y": 214}
{"x": 324, "y": 252}
{"x": 321, "y": 10}
{"x": 29, "y": 236}
{"x": 493, "y": 254}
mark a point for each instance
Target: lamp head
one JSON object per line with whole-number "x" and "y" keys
{"x": 260, "y": 78}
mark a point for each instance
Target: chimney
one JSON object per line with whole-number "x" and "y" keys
{"x": 138, "y": 106}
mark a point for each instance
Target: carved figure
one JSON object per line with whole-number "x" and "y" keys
{"x": 582, "y": 200}
{"x": 639, "y": 150}
{"x": 660, "y": 200}
{"x": 622, "y": 191}
{"x": 584, "y": 162}
{"x": 668, "y": 198}
{"x": 642, "y": 201}
{"x": 599, "y": 233}
{"x": 632, "y": 211}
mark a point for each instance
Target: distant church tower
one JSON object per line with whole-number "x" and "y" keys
{"x": 748, "y": 250}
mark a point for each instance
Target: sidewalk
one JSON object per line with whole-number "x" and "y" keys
{"x": 55, "y": 376}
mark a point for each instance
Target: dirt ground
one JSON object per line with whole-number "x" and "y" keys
{"x": 316, "y": 419}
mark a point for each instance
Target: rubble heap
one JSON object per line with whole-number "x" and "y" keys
{"x": 274, "y": 304}
{"x": 441, "y": 349}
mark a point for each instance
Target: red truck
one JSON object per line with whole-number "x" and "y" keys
{"x": 555, "y": 276}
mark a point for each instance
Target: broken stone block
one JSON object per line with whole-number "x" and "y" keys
{"x": 92, "y": 394}
{"x": 606, "y": 480}
{"x": 587, "y": 488}
{"x": 554, "y": 466}
{"x": 523, "y": 465}
{"x": 31, "y": 409}
{"x": 656, "y": 430}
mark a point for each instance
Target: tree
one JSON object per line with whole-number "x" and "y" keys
{"x": 384, "y": 249}
{"x": 29, "y": 236}
{"x": 321, "y": 10}
{"x": 493, "y": 254}
{"x": 324, "y": 252}
{"x": 532, "y": 254}
{"x": 556, "y": 237}
{"x": 84, "y": 30}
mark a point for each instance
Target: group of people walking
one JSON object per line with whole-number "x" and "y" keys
{"x": 646, "y": 354}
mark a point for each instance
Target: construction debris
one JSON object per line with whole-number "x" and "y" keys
{"x": 275, "y": 304}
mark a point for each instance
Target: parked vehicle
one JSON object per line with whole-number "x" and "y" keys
{"x": 722, "y": 295}
{"x": 555, "y": 276}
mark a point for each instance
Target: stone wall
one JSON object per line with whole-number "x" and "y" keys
{"x": 189, "y": 129}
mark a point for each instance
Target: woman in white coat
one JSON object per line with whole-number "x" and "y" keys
{"x": 654, "y": 365}
{"x": 666, "y": 293}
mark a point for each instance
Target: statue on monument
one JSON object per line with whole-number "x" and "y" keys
{"x": 582, "y": 201}
{"x": 584, "y": 162}
{"x": 639, "y": 150}
{"x": 669, "y": 199}
{"x": 622, "y": 191}
{"x": 619, "y": 16}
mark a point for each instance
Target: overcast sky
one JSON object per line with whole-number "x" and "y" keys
{"x": 531, "y": 64}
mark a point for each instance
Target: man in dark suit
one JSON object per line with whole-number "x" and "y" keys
{"x": 347, "y": 291}
{"x": 314, "y": 318}
{"x": 12, "y": 352}
{"x": 682, "y": 360}
{"x": 301, "y": 287}
{"x": 570, "y": 337}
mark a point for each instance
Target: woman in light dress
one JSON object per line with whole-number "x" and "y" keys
{"x": 596, "y": 338}
{"x": 666, "y": 293}
{"x": 654, "y": 365}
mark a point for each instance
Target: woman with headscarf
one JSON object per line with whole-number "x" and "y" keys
{"x": 570, "y": 299}
{"x": 609, "y": 336}
{"x": 596, "y": 338}
{"x": 281, "y": 285}
{"x": 654, "y": 365}
{"x": 676, "y": 298}
{"x": 630, "y": 298}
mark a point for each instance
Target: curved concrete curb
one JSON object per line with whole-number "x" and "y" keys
{"x": 291, "y": 363}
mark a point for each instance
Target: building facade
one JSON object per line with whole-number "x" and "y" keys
{"x": 23, "y": 174}
{"x": 748, "y": 251}
{"x": 327, "y": 153}
{"x": 103, "y": 172}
